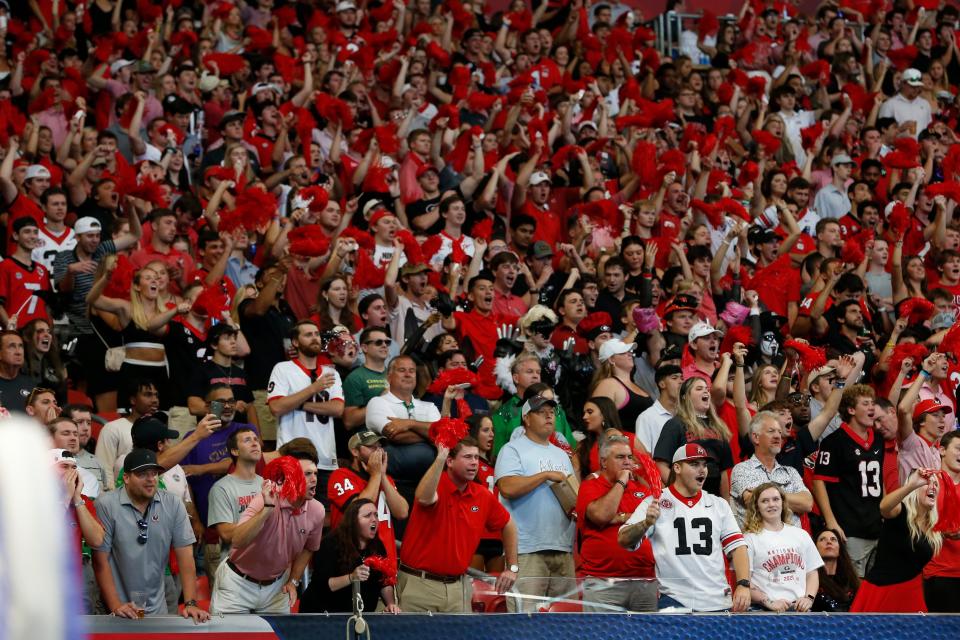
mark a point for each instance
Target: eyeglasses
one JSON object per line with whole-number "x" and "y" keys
{"x": 230, "y": 402}
{"x": 381, "y": 342}
{"x": 39, "y": 391}
{"x": 142, "y": 536}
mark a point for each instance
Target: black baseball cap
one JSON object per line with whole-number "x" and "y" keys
{"x": 536, "y": 403}
{"x": 140, "y": 460}
{"x": 148, "y": 430}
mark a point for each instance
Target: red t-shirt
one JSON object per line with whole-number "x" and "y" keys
{"x": 75, "y": 524}
{"x": 442, "y": 537}
{"x": 849, "y": 226}
{"x": 344, "y": 484}
{"x": 18, "y": 286}
{"x": 487, "y": 478}
{"x": 563, "y": 333}
{"x": 600, "y": 554}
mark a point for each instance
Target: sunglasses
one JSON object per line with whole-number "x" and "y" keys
{"x": 381, "y": 342}
{"x": 142, "y": 536}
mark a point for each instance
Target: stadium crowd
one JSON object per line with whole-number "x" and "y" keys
{"x": 317, "y": 294}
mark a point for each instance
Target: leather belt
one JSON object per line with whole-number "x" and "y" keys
{"x": 262, "y": 583}
{"x": 426, "y": 575}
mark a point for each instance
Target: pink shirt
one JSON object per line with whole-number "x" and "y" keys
{"x": 917, "y": 453}
{"x": 929, "y": 393}
{"x": 283, "y": 536}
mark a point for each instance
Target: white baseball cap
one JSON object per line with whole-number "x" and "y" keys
{"x": 538, "y": 177}
{"x": 37, "y": 171}
{"x": 86, "y": 224}
{"x": 120, "y": 64}
{"x": 912, "y": 77}
{"x": 614, "y": 347}
{"x": 702, "y": 330}
{"x": 346, "y": 5}
{"x": 62, "y": 455}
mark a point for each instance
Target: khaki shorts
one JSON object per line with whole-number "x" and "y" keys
{"x": 268, "y": 423}
{"x": 180, "y": 419}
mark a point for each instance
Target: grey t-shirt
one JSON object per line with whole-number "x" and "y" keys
{"x": 136, "y": 566}
{"x": 228, "y": 498}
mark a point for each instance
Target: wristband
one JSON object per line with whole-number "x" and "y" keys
{"x": 810, "y": 596}
{"x": 621, "y": 483}
{"x": 890, "y": 345}
{"x": 78, "y": 504}
{"x": 924, "y": 373}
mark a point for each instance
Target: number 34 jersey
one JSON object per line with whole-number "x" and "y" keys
{"x": 852, "y": 470}
{"x": 689, "y": 540}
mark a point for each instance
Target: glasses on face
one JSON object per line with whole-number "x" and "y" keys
{"x": 232, "y": 402}
{"x": 380, "y": 342}
{"x": 142, "y": 536}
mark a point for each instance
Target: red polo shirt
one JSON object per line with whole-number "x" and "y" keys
{"x": 441, "y": 538}
{"x": 600, "y": 553}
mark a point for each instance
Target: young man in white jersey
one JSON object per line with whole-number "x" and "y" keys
{"x": 55, "y": 236}
{"x": 691, "y": 531}
{"x": 305, "y": 396}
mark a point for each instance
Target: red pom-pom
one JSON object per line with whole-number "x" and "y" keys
{"x": 410, "y": 246}
{"x": 308, "y": 241}
{"x": 756, "y": 86}
{"x": 364, "y": 239}
{"x": 899, "y": 219}
{"x": 949, "y": 189}
{"x": 810, "y": 357}
{"x": 448, "y": 432}
{"x": 713, "y": 213}
{"x": 287, "y": 474}
{"x": 211, "y": 302}
{"x": 765, "y": 139}
{"x": 318, "y": 196}
{"x": 449, "y": 377}
{"x": 225, "y": 64}
{"x": 483, "y": 229}
{"x": 559, "y": 441}
{"x": 709, "y": 24}
{"x": 738, "y": 333}
{"x": 565, "y": 154}
{"x": 918, "y": 310}
{"x": 366, "y": 274}
{"x": 900, "y": 353}
{"x": 909, "y": 146}
{"x": 852, "y": 252}
{"x": 334, "y": 110}
{"x": 384, "y": 567}
{"x": 951, "y": 163}
{"x": 733, "y": 208}
{"x": 118, "y": 286}
{"x": 809, "y": 135}
{"x": 951, "y": 342}
{"x": 651, "y": 474}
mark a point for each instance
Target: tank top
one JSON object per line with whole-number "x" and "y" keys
{"x": 633, "y": 407}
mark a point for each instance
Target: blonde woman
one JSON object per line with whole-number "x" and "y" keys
{"x": 697, "y": 422}
{"x": 783, "y": 558}
{"x": 907, "y": 543}
{"x": 165, "y": 299}
{"x": 142, "y": 321}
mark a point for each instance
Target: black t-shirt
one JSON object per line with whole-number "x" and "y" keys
{"x": 422, "y": 207}
{"x": 106, "y": 217}
{"x": 852, "y": 470}
{"x": 182, "y": 346}
{"x": 266, "y": 334}
{"x": 674, "y": 435}
{"x": 606, "y": 301}
{"x": 209, "y": 373}
{"x": 13, "y": 393}
{"x": 899, "y": 557}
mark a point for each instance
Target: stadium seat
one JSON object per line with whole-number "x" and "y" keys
{"x": 562, "y": 607}
{"x": 486, "y": 599}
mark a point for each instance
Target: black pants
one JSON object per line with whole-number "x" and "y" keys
{"x": 941, "y": 594}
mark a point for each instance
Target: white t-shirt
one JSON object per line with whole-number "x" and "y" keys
{"x": 290, "y": 377}
{"x": 689, "y": 541}
{"x": 781, "y": 560}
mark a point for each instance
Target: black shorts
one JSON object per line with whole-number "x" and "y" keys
{"x": 88, "y": 365}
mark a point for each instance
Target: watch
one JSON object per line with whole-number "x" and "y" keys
{"x": 189, "y": 603}
{"x": 743, "y": 583}
{"x": 514, "y": 568}
{"x": 295, "y": 583}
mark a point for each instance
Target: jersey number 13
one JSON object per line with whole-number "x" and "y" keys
{"x": 702, "y": 536}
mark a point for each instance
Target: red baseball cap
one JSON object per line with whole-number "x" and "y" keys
{"x": 691, "y": 451}
{"x": 929, "y": 406}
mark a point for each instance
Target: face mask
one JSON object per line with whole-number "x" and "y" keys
{"x": 769, "y": 345}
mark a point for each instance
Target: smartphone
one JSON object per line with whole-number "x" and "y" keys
{"x": 216, "y": 408}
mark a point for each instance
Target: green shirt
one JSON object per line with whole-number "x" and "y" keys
{"x": 507, "y": 418}
{"x": 362, "y": 386}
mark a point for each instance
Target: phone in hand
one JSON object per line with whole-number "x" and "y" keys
{"x": 216, "y": 408}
